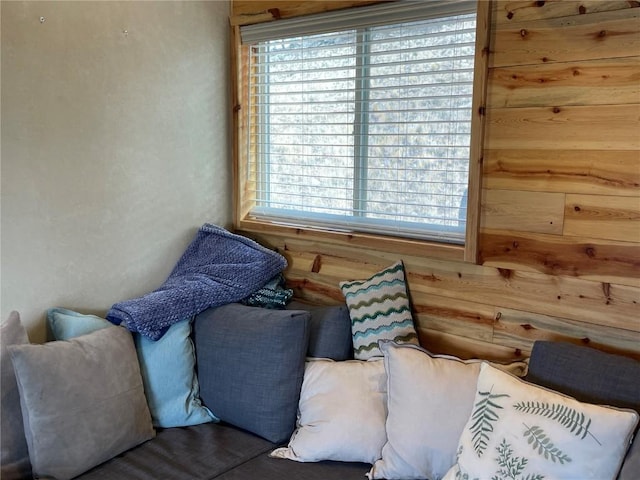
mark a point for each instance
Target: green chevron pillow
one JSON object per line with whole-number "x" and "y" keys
{"x": 379, "y": 310}
{"x": 521, "y": 431}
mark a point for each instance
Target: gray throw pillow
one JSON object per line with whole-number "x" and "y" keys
{"x": 250, "y": 364}
{"x": 14, "y": 462}
{"x": 330, "y": 334}
{"x": 82, "y": 401}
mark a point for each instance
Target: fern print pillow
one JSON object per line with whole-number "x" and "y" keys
{"x": 519, "y": 431}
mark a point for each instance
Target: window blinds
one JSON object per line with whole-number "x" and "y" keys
{"x": 364, "y": 124}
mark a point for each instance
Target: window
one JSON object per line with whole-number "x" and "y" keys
{"x": 362, "y": 121}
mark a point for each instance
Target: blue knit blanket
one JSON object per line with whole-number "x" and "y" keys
{"x": 217, "y": 268}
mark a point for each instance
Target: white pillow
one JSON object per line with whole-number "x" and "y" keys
{"x": 429, "y": 401}
{"x": 518, "y": 430}
{"x": 341, "y": 413}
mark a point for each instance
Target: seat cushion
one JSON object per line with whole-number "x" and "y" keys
{"x": 265, "y": 468}
{"x": 200, "y": 452}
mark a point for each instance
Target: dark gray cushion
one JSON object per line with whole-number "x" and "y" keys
{"x": 14, "y": 462}
{"x": 631, "y": 466}
{"x": 330, "y": 335}
{"x": 200, "y": 452}
{"x": 586, "y": 374}
{"x": 82, "y": 401}
{"x": 250, "y": 365}
{"x": 264, "y": 468}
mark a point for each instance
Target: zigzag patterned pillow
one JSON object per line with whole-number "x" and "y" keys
{"x": 379, "y": 309}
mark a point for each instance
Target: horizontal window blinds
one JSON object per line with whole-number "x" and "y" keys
{"x": 383, "y": 14}
{"x": 367, "y": 127}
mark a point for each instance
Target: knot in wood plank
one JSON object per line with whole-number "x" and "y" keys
{"x": 275, "y": 13}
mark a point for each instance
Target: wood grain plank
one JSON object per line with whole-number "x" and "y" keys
{"x": 523, "y": 211}
{"x": 598, "y": 172}
{"x": 569, "y": 297}
{"x": 520, "y": 329}
{"x": 466, "y": 348}
{"x": 605, "y": 217}
{"x": 245, "y": 12}
{"x": 462, "y": 318}
{"x": 509, "y": 11}
{"x": 587, "y": 258}
{"x": 397, "y": 246}
{"x": 600, "y": 303}
{"x": 588, "y": 303}
{"x": 595, "y": 127}
{"x": 592, "y": 82}
{"x": 609, "y": 34}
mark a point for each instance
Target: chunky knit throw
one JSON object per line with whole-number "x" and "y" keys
{"x": 217, "y": 268}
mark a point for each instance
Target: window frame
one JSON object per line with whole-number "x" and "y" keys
{"x": 243, "y": 201}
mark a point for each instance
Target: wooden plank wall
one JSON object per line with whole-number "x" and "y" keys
{"x": 560, "y": 224}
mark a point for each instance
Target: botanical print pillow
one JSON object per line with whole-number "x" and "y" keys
{"x": 379, "y": 309}
{"x": 429, "y": 398}
{"x": 519, "y": 431}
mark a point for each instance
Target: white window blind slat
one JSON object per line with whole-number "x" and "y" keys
{"x": 396, "y": 12}
{"x": 363, "y": 120}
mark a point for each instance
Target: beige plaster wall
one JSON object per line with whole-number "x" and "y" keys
{"x": 115, "y": 147}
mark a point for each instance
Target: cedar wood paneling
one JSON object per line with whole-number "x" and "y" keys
{"x": 559, "y": 240}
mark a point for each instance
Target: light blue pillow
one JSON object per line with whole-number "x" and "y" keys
{"x": 67, "y": 324}
{"x": 167, "y": 366}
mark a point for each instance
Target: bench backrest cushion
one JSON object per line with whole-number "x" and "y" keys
{"x": 250, "y": 364}
{"x": 587, "y": 374}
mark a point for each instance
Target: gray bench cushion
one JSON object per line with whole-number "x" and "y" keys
{"x": 250, "y": 365}
{"x": 330, "y": 334}
{"x": 585, "y": 373}
{"x": 200, "y": 452}
{"x": 263, "y": 467}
